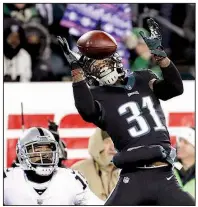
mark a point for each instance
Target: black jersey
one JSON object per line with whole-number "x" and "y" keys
{"x": 132, "y": 114}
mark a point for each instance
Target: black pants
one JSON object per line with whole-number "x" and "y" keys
{"x": 156, "y": 186}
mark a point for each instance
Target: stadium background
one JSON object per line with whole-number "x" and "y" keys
{"x": 47, "y": 93}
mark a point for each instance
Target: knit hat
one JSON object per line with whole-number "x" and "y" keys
{"x": 188, "y": 134}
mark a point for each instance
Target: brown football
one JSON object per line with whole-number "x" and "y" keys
{"x": 97, "y": 44}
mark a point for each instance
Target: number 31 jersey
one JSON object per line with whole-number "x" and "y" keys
{"x": 132, "y": 114}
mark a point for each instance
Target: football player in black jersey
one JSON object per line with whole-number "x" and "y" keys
{"x": 128, "y": 108}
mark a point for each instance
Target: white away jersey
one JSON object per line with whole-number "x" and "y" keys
{"x": 66, "y": 187}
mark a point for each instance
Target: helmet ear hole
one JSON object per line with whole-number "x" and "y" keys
{"x": 92, "y": 81}
{"x": 119, "y": 70}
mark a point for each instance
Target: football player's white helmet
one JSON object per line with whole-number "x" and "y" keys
{"x": 37, "y": 150}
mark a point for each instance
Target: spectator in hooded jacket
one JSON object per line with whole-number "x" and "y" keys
{"x": 38, "y": 46}
{"x": 53, "y": 13}
{"x": 186, "y": 158}
{"x": 101, "y": 174}
{"x": 17, "y": 61}
{"x": 22, "y": 13}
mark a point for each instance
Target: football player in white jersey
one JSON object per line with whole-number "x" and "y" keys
{"x": 39, "y": 180}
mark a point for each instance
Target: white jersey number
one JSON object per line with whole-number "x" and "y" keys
{"x": 134, "y": 109}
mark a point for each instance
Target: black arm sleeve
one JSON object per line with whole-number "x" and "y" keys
{"x": 170, "y": 86}
{"x": 4, "y": 174}
{"x": 88, "y": 108}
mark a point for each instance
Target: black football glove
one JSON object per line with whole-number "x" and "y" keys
{"x": 154, "y": 41}
{"x": 53, "y": 127}
{"x": 66, "y": 50}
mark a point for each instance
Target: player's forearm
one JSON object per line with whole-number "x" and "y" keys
{"x": 77, "y": 73}
{"x": 171, "y": 75}
{"x": 172, "y": 84}
{"x": 84, "y": 101}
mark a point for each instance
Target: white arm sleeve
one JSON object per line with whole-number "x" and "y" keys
{"x": 84, "y": 196}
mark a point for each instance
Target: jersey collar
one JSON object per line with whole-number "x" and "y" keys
{"x": 129, "y": 85}
{"x": 130, "y": 82}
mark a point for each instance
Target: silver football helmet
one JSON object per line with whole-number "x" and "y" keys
{"x": 38, "y": 150}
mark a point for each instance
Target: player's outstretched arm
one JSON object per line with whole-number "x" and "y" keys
{"x": 171, "y": 85}
{"x": 84, "y": 102}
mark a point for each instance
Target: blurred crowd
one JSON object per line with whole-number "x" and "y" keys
{"x": 31, "y": 51}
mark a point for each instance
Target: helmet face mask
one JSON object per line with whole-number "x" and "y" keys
{"x": 106, "y": 71}
{"x": 38, "y": 153}
{"x": 41, "y": 153}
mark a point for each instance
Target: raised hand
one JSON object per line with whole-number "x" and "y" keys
{"x": 154, "y": 41}
{"x": 66, "y": 50}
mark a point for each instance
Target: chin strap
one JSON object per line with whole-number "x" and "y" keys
{"x": 44, "y": 171}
